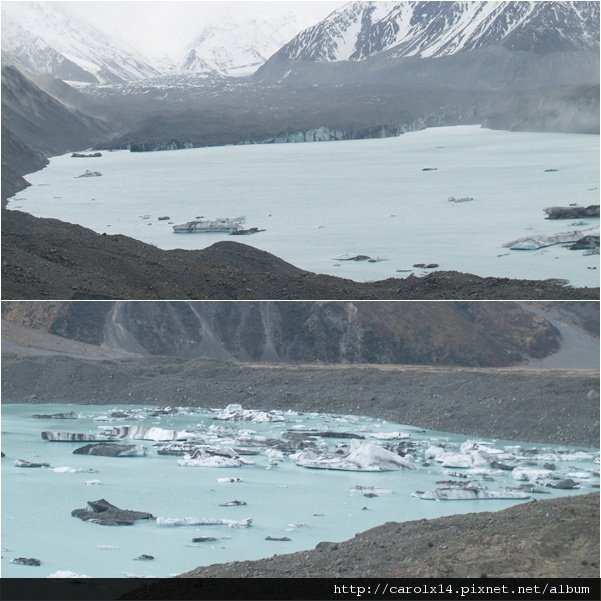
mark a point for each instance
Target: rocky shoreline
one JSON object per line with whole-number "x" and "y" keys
{"x": 47, "y": 258}
{"x": 540, "y": 539}
{"x": 557, "y": 538}
{"x": 512, "y": 404}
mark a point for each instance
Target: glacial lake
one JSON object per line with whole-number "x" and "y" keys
{"x": 282, "y": 498}
{"x": 318, "y": 201}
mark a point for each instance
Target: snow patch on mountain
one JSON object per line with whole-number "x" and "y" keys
{"x": 238, "y": 47}
{"x": 47, "y": 37}
{"x": 360, "y": 30}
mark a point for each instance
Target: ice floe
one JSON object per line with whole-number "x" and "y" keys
{"x": 211, "y": 457}
{"x": 73, "y": 470}
{"x": 390, "y": 435}
{"x": 143, "y": 433}
{"x": 470, "y": 494}
{"x": 235, "y": 412}
{"x": 173, "y": 522}
{"x": 362, "y": 456}
{"x": 363, "y": 490}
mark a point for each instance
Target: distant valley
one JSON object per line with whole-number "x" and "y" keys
{"x": 368, "y": 70}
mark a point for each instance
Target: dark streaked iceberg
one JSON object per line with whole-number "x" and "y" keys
{"x": 112, "y": 450}
{"x": 104, "y": 513}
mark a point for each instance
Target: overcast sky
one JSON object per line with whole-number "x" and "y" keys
{"x": 166, "y": 26}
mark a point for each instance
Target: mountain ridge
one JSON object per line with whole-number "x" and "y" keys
{"x": 48, "y": 38}
{"x": 454, "y": 333}
{"x": 359, "y": 30}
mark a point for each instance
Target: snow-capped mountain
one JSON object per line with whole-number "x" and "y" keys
{"x": 360, "y": 30}
{"x": 46, "y": 37}
{"x": 237, "y": 47}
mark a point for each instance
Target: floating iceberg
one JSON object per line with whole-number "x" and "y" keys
{"x": 537, "y": 241}
{"x": 106, "y": 514}
{"x": 25, "y": 463}
{"x": 112, "y": 450}
{"x": 390, "y": 435}
{"x": 67, "y": 415}
{"x": 73, "y": 470}
{"x": 75, "y": 437}
{"x": 143, "y": 433}
{"x": 211, "y": 457}
{"x": 362, "y": 456}
{"x": 235, "y": 412}
{"x": 530, "y": 474}
{"x": 470, "y": 494}
{"x": 173, "y": 522}
{"x": 370, "y": 490}
{"x": 89, "y": 173}
{"x": 203, "y": 226}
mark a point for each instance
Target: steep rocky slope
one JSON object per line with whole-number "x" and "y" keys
{"x": 470, "y": 334}
{"x": 36, "y": 125}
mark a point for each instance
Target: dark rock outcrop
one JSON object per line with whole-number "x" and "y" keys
{"x": 104, "y": 513}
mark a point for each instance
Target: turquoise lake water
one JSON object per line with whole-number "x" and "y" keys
{"x": 37, "y": 503}
{"x": 319, "y": 201}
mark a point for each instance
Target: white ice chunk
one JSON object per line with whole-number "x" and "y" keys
{"x": 362, "y": 456}
{"x": 173, "y": 522}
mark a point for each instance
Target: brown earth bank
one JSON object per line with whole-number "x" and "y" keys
{"x": 553, "y": 406}
{"x": 49, "y": 259}
{"x": 558, "y": 538}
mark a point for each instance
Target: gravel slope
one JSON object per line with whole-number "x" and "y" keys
{"x": 535, "y": 405}
{"x": 50, "y": 259}
{"x": 543, "y": 539}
